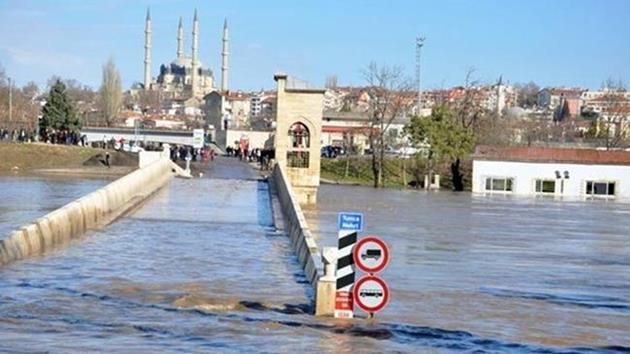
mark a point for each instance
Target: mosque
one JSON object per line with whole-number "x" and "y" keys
{"x": 185, "y": 77}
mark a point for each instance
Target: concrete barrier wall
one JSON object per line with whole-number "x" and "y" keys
{"x": 302, "y": 240}
{"x": 93, "y": 210}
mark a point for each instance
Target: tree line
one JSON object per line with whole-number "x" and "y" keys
{"x": 68, "y": 104}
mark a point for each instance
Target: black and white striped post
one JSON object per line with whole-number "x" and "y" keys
{"x": 349, "y": 225}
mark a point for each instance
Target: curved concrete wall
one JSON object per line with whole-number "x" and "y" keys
{"x": 302, "y": 240}
{"x": 95, "y": 209}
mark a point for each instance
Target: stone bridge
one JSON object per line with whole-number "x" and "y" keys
{"x": 177, "y": 137}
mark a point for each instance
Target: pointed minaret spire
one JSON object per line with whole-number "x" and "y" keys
{"x": 224, "y": 58}
{"x": 147, "y": 51}
{"x": 180, "y": 39}
{"x": 195, "y": 55}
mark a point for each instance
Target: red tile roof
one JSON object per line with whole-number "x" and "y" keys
{"x": 552, "y": 155}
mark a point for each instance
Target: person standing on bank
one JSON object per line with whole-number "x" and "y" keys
{"x": 107, "y": 159}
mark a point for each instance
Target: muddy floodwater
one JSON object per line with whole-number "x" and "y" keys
{"x": 539, "y": 272}
{"x": 200, "y": 267}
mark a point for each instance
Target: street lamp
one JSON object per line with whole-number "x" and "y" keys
{"x": 419, "y": 44}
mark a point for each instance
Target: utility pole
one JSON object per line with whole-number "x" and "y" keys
{"x": 10, "y": 100}
{"x": 419, "y": 44}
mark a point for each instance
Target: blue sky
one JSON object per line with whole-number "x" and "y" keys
{"x": 552, "y": 42}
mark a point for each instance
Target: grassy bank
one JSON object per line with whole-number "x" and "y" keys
{"x": 397, "y": 172}
{"x": 16, "y": 157}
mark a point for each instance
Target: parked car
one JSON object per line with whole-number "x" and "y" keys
{"x": 330, "y": 151}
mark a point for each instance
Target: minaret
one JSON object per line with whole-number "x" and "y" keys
{"x": 180, "y": 40}
{"x": 147, "y": 51}
{"x": 500, "y": 96}
{"x": 224, "y": 58}
{"x": 195, "y": 55}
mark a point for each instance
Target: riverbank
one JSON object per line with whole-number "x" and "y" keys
{"x": 39, "y": 158}
{"x": 399, "y": 173}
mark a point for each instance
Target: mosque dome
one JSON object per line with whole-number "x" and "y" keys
{"x": 186, "y": 62}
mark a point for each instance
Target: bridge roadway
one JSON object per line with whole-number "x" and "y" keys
{"x": 201, "y": 260}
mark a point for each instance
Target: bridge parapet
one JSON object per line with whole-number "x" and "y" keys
{"x": 96, "y": 209}
{"x": 303, "y": 243}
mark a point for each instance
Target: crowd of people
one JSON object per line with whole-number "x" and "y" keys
{"x": 50, "y": 136}
{"x": 19, "y": 136}
{"x": 262, "y": 156}
{"x": 183, "y": 153}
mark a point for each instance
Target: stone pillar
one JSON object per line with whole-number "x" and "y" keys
{"x": 297, "y": 140}
{"x": 327, "y": 285}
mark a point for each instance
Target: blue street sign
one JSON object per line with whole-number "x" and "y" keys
{"x": 350, "y": 221}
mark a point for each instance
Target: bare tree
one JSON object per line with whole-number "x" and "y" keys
{"x": 615, "y": 112}
{"x": 111, "y": 97}
{"x": 527, "y": 94}
{"x": 331, "y": 82}
{"x": 386, "y": 87}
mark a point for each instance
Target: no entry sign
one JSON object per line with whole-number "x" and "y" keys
{"x": 371, "y": 254}
{"x": 371, "y": 293}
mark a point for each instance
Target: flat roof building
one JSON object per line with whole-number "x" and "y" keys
{"x": 551, "y": 171}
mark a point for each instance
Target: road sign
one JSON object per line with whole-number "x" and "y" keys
{"x": 371, "y": 254}
{"x": 371, "y": 293}
{"x": 198, "y": 138}
{"x": 350, "y": 221}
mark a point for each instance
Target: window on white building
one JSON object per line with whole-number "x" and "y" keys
{"x": 600, "y": 188}
{"x": 545, "y": 186}
{"x": 494, "y": 184}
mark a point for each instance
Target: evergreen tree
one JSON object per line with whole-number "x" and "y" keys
{"x": 59, "y": 113}
{"x": 448, "y": 139}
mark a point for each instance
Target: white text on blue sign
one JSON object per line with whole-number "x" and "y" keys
{"x": 350, "y": 221}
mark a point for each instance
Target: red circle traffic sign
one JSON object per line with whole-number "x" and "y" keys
{"x": 370, "y": 293}
{"x": 371, "y": 254}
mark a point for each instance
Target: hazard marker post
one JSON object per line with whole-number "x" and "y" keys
{"x": 348, "y": 226}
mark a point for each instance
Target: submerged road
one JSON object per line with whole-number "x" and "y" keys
{"x": 159, "y": 278}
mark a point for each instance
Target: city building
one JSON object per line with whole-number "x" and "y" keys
{"x": 543, "y": 171}
{"x": 226, "y": 110}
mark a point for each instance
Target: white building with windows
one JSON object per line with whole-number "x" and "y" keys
{"x": 551, "y": 172}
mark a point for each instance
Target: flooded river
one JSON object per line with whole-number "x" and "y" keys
{"x": 538, "y": 272}
{"x": 201, "y": 268}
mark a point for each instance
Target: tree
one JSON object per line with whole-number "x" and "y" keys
{"x": 59, "y": 113}
{"x": 527, "y": 94}
{"x": 386, "y": 88}
{"x": 615, "y": 112}
{"x": 110, "y": 94}
{"x": 447, "y": 138}
{"x": 331, "y": 82}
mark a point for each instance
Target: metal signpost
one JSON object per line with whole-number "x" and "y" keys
{"x": 348, "y": 226}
